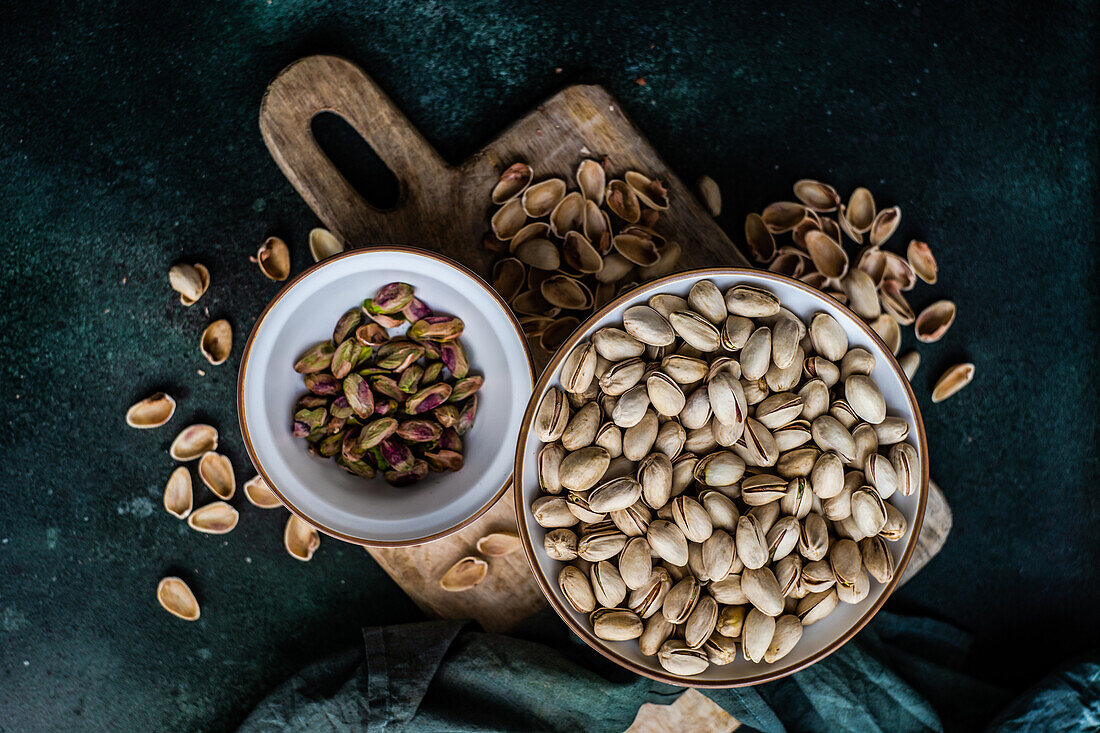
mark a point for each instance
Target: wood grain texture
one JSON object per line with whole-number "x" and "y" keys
{"x": 446, "y": 208}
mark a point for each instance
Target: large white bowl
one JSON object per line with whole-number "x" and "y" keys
{"x": 352, "y": 508}
{"x": 819, "y": 639}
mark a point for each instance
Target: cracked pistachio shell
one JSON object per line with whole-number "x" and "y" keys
{"x": 861, "y": 210}
{"x": 636, "y": 563}
{"x": 868, "y": 510}
{"x": 582, "y": 428}
{"x": 906, "y": 463}
{"x": 579, "y": 368}
{"x": 680, "y": 659}
{"x": 615, "y": 624}
{"x": 877, "y": 558}
{"x": 700, "y": 624}
{"x": 862, "y": 294}
{"x": 151, "y": 412}
{"x": 880, "y": 473}
{"x": 650, "y": 192}
{"x": 782, "y": 216}
{"x": 752, "y": 548}
{"x": 706, "y": 299}
{"x": 816, "y": 606}
{"x": 711, "y": 197}
{"x": 176, "y": 598}
{"x": 190, "y": 281}
{"x": 721, "y": 468}
{"x": 561, "y": 544}
{"x": 817, "y": 196}
{"x": 464, "y": 574}
{"x": 828, "y": 337}
{"x": 827, "y": 254}
{"x": 616, "y": 345}
{"x": 323, "y": 244}
{"x": 580, "y": 470}
{"x": 214, "y": 518}
{"x": 623, "y": 201}
{"x": 539, "y": 199}
{"x": 260, "y": 494}
{"x": 668, "y": 541}
{"x": 568, "y": 215}
{"x": 648, "y": 326}
{"x": 788, "y": 632}
{"x": 508, "y": 220}
{"x": 656, "y": 632}
{"x": 614, "y": 495}
{"x": 621, "y": 376}
{"x": 300, "y": 539}
{"x": 513, "y": 181}
{"x": 933, "y": 321}
{"x": 655, "y": 479}
{"x": 922, "y": 261}
{"x": 193, "y": 441}
{"x": 552, "y": 416}
{"x": 217, "y": 341}
{"x": 756, "y": 635}
{"x": 607, "y": 585}
{"x": 751, "y": 302}
{"x": 665, "y": 394}
{"x": 577, "y": 590}
{"x": 759, "y": 238}
{"x": 178, "y": 493}
{"x": 884, "y": 225}
{"x": 216, "y": 472}
{"x": 681, "y": 600}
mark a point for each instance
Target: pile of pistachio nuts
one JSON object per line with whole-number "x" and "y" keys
{"x": 568, "y": 253}
{"x": 397, "y": 404}
{"x": 716, "y": 475}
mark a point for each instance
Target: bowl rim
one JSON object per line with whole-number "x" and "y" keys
{"x": 241, "y": 375}
{"x": 521, "y": 510}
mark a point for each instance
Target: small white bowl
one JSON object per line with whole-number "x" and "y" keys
{"x": 371, "y": 512}
{"x": 820, "y": 639}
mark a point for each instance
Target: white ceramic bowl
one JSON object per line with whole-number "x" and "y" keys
{"x": 819, "y": 639}
{"x": 371, "y": 512}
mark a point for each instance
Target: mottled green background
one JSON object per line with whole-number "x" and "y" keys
{"x": 128, "y": 141}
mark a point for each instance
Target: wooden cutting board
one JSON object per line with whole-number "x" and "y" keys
{"x": 446, "y": 208}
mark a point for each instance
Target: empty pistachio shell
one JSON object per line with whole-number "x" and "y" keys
{"x": 639, "y": 250}
{"x": 177, "y": 599}
{"x": 565, "y": 292}
{"x": 680, "y": 659}
{"x": 650, "y": 192}
{"x": 323, "y": 244}
{"x": 508, "y": 220}
{"x": 885, "y": 224}
{"x": 952, "y": 381}
{"x": 861, "y": 210}
{"x": 214, "y": 518}
{"x": 464, "y": 574}
{"x": 827, "y": 254}
{"x": 816, "y": 195}
{"x": 909, "y": 363}
{"x": 273, "y": 258}
{"x": 260, "y": 494}
{"x": 886, "y": 326}
{"x": 540, "y": 199}
{"x": 578, "y": 253}
{"x": 193, "y": 441}
{"x": 782, "y": 216}
{"x": 922, "y": 261}
{"x": 591, "y": 179}
{"x": 557, "y": 333}
{"x": 933, "y": 321}
{"x": 151, "y": 412}
{"x": 216, "y": 472}
{"x": 300, "y": 539}
{"x": 190, "y": 281}
{"x": 178, "y": 493}
{"x": 709, "y": 193}
{"x": 622, "y": 200}
{"x": 513, "y": 181}
{"x": 217, "y": 341}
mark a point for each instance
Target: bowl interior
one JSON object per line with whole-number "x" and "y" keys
{"x": 349, "y": 506}
{"x": 819, "y": 638}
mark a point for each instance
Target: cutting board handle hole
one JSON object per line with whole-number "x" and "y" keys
{"x": 357, "y": 161}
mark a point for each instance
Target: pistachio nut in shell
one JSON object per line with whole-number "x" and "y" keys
{"x": 816, "y": 606}
{"x": 151, "y": 412}
{"x": 607, "y": 585}
{"x": 756, "y": 635}
{"x": 615, "y": 345}
{"x": 190, "y": 281}
{"x": 752, "y": 548}
{"x": 175, "y": 597}
{"x": 577, "y": 590}
{"x": 260, "y": 494}
{"x": 648, "y": 326}
{"x": 464, "y": 574}
{"x": 877, "y": 558}
{"x": 178, "y": 493}
{"x": 579, "y": 368}
{"x": 561, "y": 544}
{"x": 193, "y": 441}
{"x": 668, "y": 541}
{"x": 656, "y": 632}
{"x": 680, "y": 659}
{"x": 904, "y": 458}
{"x": 215, "y": 518}
{"x": 788, "y": 632}
{"x": 615, "y": 624}
{"x": 217, "y": 341}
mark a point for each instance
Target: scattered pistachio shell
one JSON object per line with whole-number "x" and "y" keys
{"x": 556, "y": 334}
{"x": 897, "y": 269}
{"x": 273, "y": 258}
{"x": 816, "y": 195}
{"x": 177, "y": 599}
{"x": 952, "y": 381}
{"x": 591, "y": 179}
{"x": 623, "y": 201}
{"x": 846, "y": 226}
{"x": 260, "y": 494}
{"x": 541, "y": 254}
{"x": 782, "y": 216}
{"x": 759, "y": 238}
{"x": 178, "y": 494}
{"x": 508, "y": 277}
{"x": 190, "y": 281}
{"x": 193, "y": 441}
{"x": 921, "y": 260}
{"x": 708, "y": 192}
{"x": 894, "y": 303}
{"x": 885, "y": 224}
{"x": 217, "y": 341}
{"x": 216, "y": 472}
{"x": 323, "y": 244}
{"x": 300, "y": 539}
{"x": 933, "y": 321}
{"x": 828, "y": 256}
{"x": 568, "y": 215}
{"x": 508, "y": 221}
{"x": 886, "y": 326}
{"x": 861, "y": 210}
{"x": 909, "y": 362}
{"x": 565, "y": 292}
{"x": 579, "y": 253}
{"x": 513, "y": 181}
{"x": 498, "y": 544}
{"x": 214, "y": 518}
{"x": 541, "y": 198}
{"x": 464, "y": 574}
{"x": 151, "y": 412}
{"x": 650, "y": 192}
{"x": 597, "y": 227}
{"x": 639, "y": 250}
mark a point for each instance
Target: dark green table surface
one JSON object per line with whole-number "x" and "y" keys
{"x": 128, "y": 141}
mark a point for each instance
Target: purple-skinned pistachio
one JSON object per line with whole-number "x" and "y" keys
{"x": 415, "y": 309}
{"x": 397, "y": 454}
{"x": 390, "y": 298}
{"x": 358, "y": 468}
{"x": 466, "y": 415}
{"x": 340, "y": 406}
{"x": 371, "y": 334}
{"x": 331, "y": 445}
{"x": 299, "y": 429}
{"x": 431, "y": 373}
{"x": 347, "y": 325}
{"x": 409, "y": 381}
{"x": 449, "y": 440}
{"x": 428, "y": 398}
{"x": 308, "y": 401}
{"x": 335, "y": 425}
{"x": 376, "y": 431}
{"x": 325, "y": 385}
{"x": 385, "y": 407}
{"x": 446, "y": 415}
{"x": 401, "y": 356}
{"x": 385, "y": 385}
{"x": 316, "y": 359}
{"x": 358, "y": 396}
{"x": 447, "y": 460}
{"x": 419, "y": 431}
{"x": 431, "y": 349}
{"x": 406, "y": 478}
{"x": 314, "y": 418}
{"x": 453, "y": 355}
{"x": 465, "y": 387}
{"x": 384, "y": 320}
{"x": 437, "y": 328}
{"x": 350, "y": 449}
{"x": 347, "y": 353}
